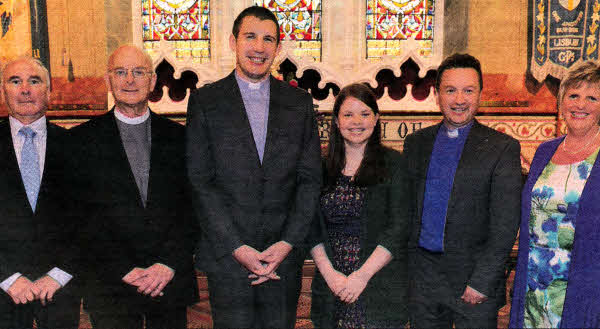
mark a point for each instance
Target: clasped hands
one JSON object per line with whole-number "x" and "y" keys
{"x": 347, "y": 288}
{"x": 150, "y": 281}
{"x": 23, "y": 291}
{"x": 472, "y": 296}
{"x": 262, "y": 265}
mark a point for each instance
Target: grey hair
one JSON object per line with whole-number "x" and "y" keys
{"x": 28, "y": 59}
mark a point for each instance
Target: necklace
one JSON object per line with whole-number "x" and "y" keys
{"x": 564, "y": 144}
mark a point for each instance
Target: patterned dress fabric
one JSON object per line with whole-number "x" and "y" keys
{"x": 554, "y": 205}
{"x": 341, "y": 207}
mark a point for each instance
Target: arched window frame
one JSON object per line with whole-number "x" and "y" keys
{"x": 343, "y": 53}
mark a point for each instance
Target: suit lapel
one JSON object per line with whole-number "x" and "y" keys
{"x": 53, "y": 148}
{"x": 117, "y": 157}
{"x": 11, "y": 169}
{"x": 239, "y": 117}
{"x": 426, "y": 147}
{"x": 159, "y": 151}
{"x": 477, "y": 139}
{"x": 274, "y": 119}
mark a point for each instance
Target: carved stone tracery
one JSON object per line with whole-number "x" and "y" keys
{"x": 343, "y": 61}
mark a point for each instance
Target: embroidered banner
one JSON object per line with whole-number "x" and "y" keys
{"x": 15, "y": 35}
{"x": 564, "y": 33}
{"x": 24, "y": 30}
{"x": 39, "y": 31}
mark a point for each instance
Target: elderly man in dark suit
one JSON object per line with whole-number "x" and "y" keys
{"x": 466, "y": 180}
{"x": 135, "y": 199}
{"x": 37, "y": 261}
{"x": 253, "y": 161}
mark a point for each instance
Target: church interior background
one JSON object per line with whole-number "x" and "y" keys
{"x": 392, "y": 45}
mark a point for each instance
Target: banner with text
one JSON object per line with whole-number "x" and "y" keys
{"x": 564, "y": 33}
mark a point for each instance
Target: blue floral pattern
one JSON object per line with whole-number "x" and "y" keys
{"x": 554, "y": 204}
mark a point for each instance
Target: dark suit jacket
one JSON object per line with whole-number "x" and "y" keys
{"x": 483, "y": 210}
{"x": 239, "y": 200}
{"x": 384, "y": 221}
{"x": 34, "y": 243}
{"x": 120, "y": 233}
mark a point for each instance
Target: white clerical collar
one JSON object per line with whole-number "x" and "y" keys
{"x": 132, "y": 121}
{"x": 251, "y": 85}
{"x": 39, "y": 126}
{"x": 452, "y": 133}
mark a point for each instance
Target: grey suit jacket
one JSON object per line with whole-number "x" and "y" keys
{"x": 237, "y": 199}
{"x": 483, "y": 210}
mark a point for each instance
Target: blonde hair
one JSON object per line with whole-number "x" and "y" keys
{"x": 588, "y": 72}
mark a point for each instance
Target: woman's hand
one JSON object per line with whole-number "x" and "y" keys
{"x": 336, "y": 281}
{"x": 356, "y": 283}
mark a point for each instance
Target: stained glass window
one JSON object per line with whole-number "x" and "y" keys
{"x": 391, "y": 23}
{"x": 184, "y": 23}
{"x": 299, "y": 24}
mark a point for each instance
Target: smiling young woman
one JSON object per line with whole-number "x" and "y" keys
{"x": 359, "y": 243}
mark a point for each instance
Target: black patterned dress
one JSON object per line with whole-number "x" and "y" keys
{"x": 341, "y": 207}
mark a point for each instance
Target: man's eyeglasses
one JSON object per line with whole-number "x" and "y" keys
{"x": 136, "y": 73}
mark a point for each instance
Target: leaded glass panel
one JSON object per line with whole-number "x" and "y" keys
{"x": 184, "y": 23}
{"x": 299, "y": 24}
{"x": 391, "y": 23}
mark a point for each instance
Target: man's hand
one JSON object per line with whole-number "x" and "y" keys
{"x": 153, "y": 280}
{"x": 356, "y": 283}
{"x": 133, "y": 275}
{"x": 45, "y": 288}
{"x": 263, "y": 278}
{"x": 274, "y": 255}
{"x": 22, "y": 291}
{"x": 473, "y": 297}
{"x": 336, "y": 281}
{"x": 250, "y": 259}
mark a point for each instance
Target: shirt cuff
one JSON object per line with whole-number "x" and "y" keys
{"x": 5, "y": 285}
{"x": 167, "y": 267}
{"x": 60, "y": 276}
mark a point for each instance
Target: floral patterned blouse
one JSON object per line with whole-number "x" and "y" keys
{"x": 554, "y": 204}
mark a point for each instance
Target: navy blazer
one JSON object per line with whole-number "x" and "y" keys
{"x": 582, "y": 303}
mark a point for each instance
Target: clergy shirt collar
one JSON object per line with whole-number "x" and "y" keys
{"x": 455, "y": 132}
{"x": 251, "y": 85}
{"x": 132, "y": 121}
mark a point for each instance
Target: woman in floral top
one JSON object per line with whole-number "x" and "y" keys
{"x": 555, "y": 282}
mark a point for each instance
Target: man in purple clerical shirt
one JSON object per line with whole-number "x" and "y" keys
{"x": 466, "y": 179}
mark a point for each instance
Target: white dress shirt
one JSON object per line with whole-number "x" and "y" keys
{"x": 39, "y": 141}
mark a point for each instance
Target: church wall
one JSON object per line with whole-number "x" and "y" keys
{"x": 85, "y": 32}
